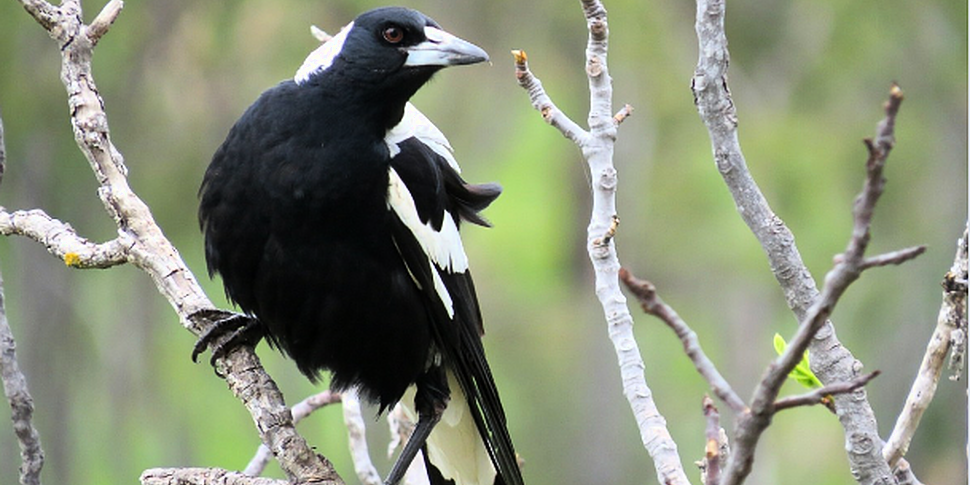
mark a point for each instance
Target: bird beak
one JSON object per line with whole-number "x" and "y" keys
{"x": 443, "y": 49}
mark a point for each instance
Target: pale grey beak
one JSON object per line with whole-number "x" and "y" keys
{"x": 443, "y": 49}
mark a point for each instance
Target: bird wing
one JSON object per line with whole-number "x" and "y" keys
{"x": 427, "y": 201}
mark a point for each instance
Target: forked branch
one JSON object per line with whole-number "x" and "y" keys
{"x": 596, "y": 145}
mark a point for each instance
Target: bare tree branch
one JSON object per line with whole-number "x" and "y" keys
{"x": 19, "y": 399}
{"x": 203, "y": 476}
{"x": 952, "y": 316}
{"x": 597, "y": 148}
{"x": 652, "y": 304}
{"x": 818, "y": 396}
{"x": 712, "y": 447}
{"x": 149, "y": 249}
{"x": 831, "y": 361}
{"x": 100, "y": 25}
{"x": 894, "y": 257}
{"x": 543, "y": 103}
{"x": 299, "y": 411}
{"x": 357, "y": 437}
{"x": 62, "y": 241}
{"x": 3, "y": 150}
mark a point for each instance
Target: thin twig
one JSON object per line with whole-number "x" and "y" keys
{"x": 100, "y": 25}
{"x": 3, "y": 150}
{"x": 652, "y": 304}
{"x": 597, "y": 148}
{"x": 712, "y": 448}
{"x": 952, "y": 316}
{"x": 21, "y": 403}
{"x": 894, "y": 257}
{"x": 625, "y": 112}
{"x": 544, "y": 104}
{"x": 819, "y": 395}
{"x": 44, "y": 13}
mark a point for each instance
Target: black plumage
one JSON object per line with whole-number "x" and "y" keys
{"x": 332, "y": 212}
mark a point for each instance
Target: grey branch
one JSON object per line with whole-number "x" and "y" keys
{"x": 831, "y": 361}
{"x": 849, "y": 265}
{"x": 818, "y": 396}
{"x": 19, "y": 399}
{"x": 952, "y": 317}
{"x": 62, "y": 241}
{"x": 203, "y": 476}
{"x": 895, "y": 257}
{"x": 299, "y": 411}
{"x": 544, "y": 104}
{"x": 3, "y": 150}
{"x": 149, "y": 249}
{"x": 712, "y": 447}
{"x": 652, "y": 304}
{"x": 100, "y": 25}
{"x": 597, "y": 148}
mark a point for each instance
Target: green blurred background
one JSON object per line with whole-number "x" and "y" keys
{"x": 109, "y": 365}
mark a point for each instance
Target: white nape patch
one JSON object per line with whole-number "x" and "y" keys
{"x": 443, "y": 248}
{"x": 415, "y": 124}
{"x": 321, "y": 58}
{"x": 455, "y": 446}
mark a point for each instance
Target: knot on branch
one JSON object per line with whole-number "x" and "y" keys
{"x": 595, "y": 67}
{"x": 546, "y": 112}
{"x": 860, "y": 443}
{"x": 598, "y": 29}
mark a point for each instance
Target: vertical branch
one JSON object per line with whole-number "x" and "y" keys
{"x": 15, "y": 383}
{"x": 18, "y": 396}
{"x": 952, "y": 317}
{"x": 597, "y": 148}
{"x": 3, "y": 150}
{"x": 357, "y": 438}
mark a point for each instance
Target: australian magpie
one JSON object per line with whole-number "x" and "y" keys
{"x": 332, "y": 212}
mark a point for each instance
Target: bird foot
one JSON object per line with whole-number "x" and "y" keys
{"x": 227, "y": 330}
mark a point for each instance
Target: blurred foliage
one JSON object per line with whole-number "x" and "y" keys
{"x": 109, "y": 366}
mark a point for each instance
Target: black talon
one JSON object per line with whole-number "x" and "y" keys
{"x": 226, "y": 331}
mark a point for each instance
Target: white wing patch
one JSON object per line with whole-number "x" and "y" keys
{"x": 321, "y": 58}
{"x": 443, "y": 248}
{"x": 415, "y": 124}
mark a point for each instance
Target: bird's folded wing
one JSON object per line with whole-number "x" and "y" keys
{"x": 427, "y": 200}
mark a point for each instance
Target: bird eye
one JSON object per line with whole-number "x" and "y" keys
{"x": 393, "y": 34}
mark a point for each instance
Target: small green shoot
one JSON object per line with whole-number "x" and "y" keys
{"x": 801, "y": 373}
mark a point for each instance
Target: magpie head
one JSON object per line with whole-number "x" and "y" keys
{"x": 391, "y": 49}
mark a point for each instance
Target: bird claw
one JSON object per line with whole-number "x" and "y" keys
{"x": 227, "y": 331}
